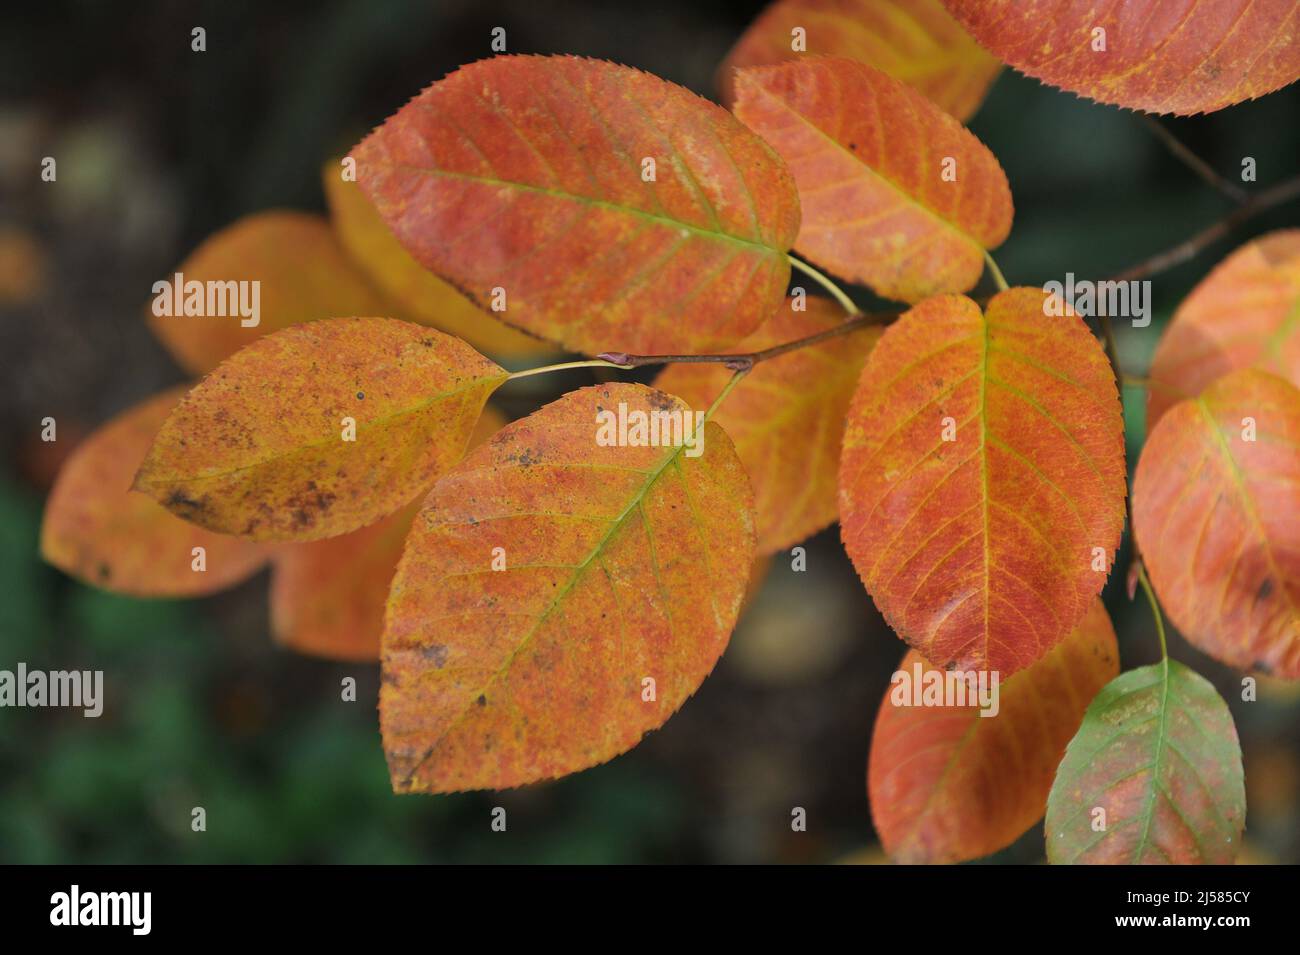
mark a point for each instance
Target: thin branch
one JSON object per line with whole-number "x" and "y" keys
{"x": 1189, "y": 248}
{"x": 743, "y": 361}
{"x": 1195, "y": 162}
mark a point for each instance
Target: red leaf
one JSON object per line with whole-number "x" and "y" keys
{"x": 526, "y": 174}
{"x": 982, "y": 478}
{"x": 1194, "y": 56}
{"x": 1217, "y": 518}
{"x": 874, "y": 161}
{"x": 949, "y": 785}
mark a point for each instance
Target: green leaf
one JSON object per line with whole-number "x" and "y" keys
{"x": 1153, "y": 775}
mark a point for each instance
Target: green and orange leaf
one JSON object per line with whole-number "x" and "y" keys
{"x": 1196, "y": 56}
{"x": 526, "y": 174}
{"x": 950, "y": 785}
{"x": 419, "y": 295}
{"x": 916, "y": 41}
{"x": 786, "y": 417}
{"x": 328, "y": 596}
{"x": 622, "y": 564}
{"x": 303, "y": 272}
{"x": 895, "y": 193}
{"x": 1215, "y": 513}
{"x": 985, "y": 550}
{"x": 258, "y": 448}
{"x": 100, "y": 531}
{"x": 1244, "y": 314}
{"x": 1153, "y": 776}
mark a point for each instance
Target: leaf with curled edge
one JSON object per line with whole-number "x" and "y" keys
{"x": 419, "y": 295}
{"x": 786, "y": 417}
{"x": 949, "y": 785}
{"x": 302, "y": 273}
{"x": 985, "y": 550}
{"x": 622, "y": 563}
{"x": 1191, "y": 57}
{"x": 1158, "y": 755}
{"x": 868, "y": 155}
{"x": 1217, "y": 517}
{"x": 525, "y": 174}
{"x": 916, "y": 41}
{"x": 1246, "y": 313}
{"x": 328, "y": 596}
{"x": 99, "y": 531}
{"x": 257, "y": 449}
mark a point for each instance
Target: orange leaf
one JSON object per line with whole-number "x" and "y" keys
{"x": 528, "y": 175}
{"x": 982, "y": 478}
{"x": 916, "y": 41}
{"x": 303, "y": 275}
{"x": 328, "y": 596}
{"x": 1245, "y": 313}
{"x": 261, "y": 447}
{"x": 622, "y": 564}
{"x": 1190, "y": 57}
{"x": 420, "y": 295}
{"x": 1215, "y": 512}
{"x": 895, "y": 193}
{"x": 100, "y": 532}
{"x": 786, "y": 417}
{"x": 949, "y": 785}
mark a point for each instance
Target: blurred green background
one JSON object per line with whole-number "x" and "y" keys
{"x": 158, "y": 147}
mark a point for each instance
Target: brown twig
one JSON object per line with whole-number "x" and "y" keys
{"x": 1195, "y": 162}
{"x": 743, "y": 361}
{"x": 1189, "y": 248}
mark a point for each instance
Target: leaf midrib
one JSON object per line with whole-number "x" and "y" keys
{"x": 579, "y": 571}
{"x": 713, "y": 234}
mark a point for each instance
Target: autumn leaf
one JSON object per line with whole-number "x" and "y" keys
{"x": 1246, "y": 313}
{"x": 595, "y": 205}
{"x": 623, "y": 564}
{"x": 328, "y": 596}
{"x": 301, "y": 272}
{"x": 99, "y": 531}
{"x": 916, "y": 41}
{"x": 1215, "y": 511}
{"x": 1159, "y": 57}
{"x": 786, "y": 417}
{"x": 419, "y": 294}
{"x": 982, "y": 478}
{"x": 1153, "y": 775}
{"x": 948, "y": 784}
{"x": 319, "y": 429}
{"x": 896, "y": 194}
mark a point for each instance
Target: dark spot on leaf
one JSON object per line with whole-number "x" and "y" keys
{"x": 104, "y": 571}
{"x": 436, "y": 653}
{"x": 482, "y": 700}
{"x": 1265, "y": 589}
{"x": 361, "y": 395}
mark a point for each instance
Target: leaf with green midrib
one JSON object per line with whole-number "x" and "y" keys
{"x": 1158, "y": 752}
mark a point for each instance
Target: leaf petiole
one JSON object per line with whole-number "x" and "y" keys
{"x": 1155, "y": 612}
{"x": 995, "y": 272}
{"x": 825, "y": 282}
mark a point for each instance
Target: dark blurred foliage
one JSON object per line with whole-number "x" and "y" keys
{"x": 157, "y": 148}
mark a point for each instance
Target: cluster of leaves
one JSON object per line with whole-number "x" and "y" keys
{"x": 557, "y": 598}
